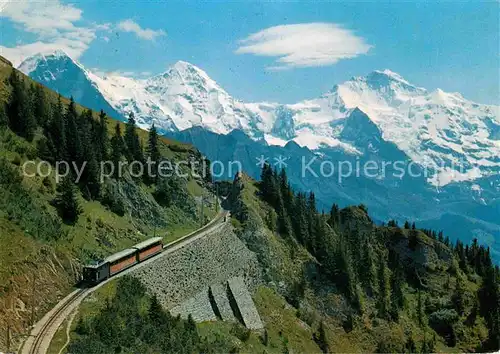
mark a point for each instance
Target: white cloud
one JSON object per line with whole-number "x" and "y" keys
{"x": 304, "y": 45}
{"x": 143, "y": 33}
{"x": 42, "y": 17}
{"x": 56, "y": 26}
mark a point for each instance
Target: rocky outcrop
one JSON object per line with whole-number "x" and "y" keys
{"x": 427, "y": 254}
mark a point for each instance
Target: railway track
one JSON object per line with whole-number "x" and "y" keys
{"x": 40, "y": 340}
{"x": 42, "y": 334}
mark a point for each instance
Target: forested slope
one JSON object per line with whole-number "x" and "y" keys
{"x": 49, "y": 229}
{"x": 360, "y": 287}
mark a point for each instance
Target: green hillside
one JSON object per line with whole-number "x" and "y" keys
{"x": 333, "y": 282}
{"x": 358, "y": 287}
{"x": 48, "y": 230}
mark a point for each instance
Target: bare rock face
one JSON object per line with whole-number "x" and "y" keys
{"x": 426, "y": 254}
{"x": 215, "y": 258}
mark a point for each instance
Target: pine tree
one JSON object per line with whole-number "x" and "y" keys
{"x": 334, "y": 218}
{"x": 299, "y": 218}
{"x": 101, "y": 137}
{"x": 41, "y": 109}
{"x": 117, "y": 147}
{"x": 153, "y": 149}
{"x": 56, "y": 131}
{"x": 489, "y": 296}
{"x": 156, "y": 312}
{"x": 368, "y": 270}
{"x": 20, "y": 109}
{"x": 73, "y": 140}
{"x": 90, "y": 176}
{"x": 458, "y": 297}
{"x": 284, "y": 225}
{"x": 311, "y": 216}
{"x": 384, "y": 288}
{"x": 397, "y": 283}
{"x": 266, "y": 177}
{"x": 412, "y": 239}
{"x": 66, "y": 201}
{"x": 285, "y": 190}
{"x": 407, "y": 225}
{"x": 269, "y": 185}
{"x": 134, "y": 151}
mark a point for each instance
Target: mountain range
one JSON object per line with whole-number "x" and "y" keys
{"x": 379, "y": 117}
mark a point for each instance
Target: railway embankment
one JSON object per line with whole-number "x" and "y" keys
{"x": 182, "y": 279}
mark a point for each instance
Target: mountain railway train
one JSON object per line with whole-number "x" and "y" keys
{"x": 95, "y": 273}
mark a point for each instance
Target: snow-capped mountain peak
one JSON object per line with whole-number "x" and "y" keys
{"x": 54, "y": 58}
{"x": 435, "y": 129}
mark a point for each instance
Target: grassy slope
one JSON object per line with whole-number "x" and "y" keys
{"x": 98, "y": 232}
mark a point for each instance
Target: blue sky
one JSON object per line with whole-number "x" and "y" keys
{"x": 453, "y": 46}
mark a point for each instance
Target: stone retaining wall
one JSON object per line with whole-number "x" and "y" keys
{"x": 239, "y": 295}
{"x": 189, "y": 271}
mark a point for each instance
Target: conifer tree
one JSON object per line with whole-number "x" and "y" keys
{"x": 134, "y": 151}
{"x": 368, "y": 270}
{"x": 285, "y": 190}
{"x": 40, "y": 107}
{"x": 299, "y": 218}
{"x": 489, "y": 296}
{"x": 334, "y": 218}
{"x": 66, "y": 201}
{"x": 117, "y": 147}
{"x": 269, "y": 185}
{"x": 20, "y": 109}
{"x": 73, "y": 139}
{"x": 101, "y": 138}
{"x": 56, "y": 131}
{"x": 153, "y": 150}
{"x": 384, "y": 288}
{"x": 284, "y": 225}
{"x": 311, "y": 216}
{"x": 458, "y": 297}
{"x": 90, "y": 176}
{"x": 412, "y": 239}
